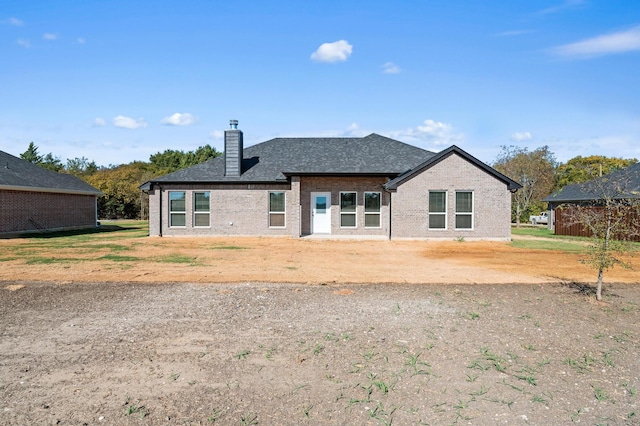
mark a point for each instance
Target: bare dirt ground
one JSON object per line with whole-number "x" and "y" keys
{"x": 286, "y": 332}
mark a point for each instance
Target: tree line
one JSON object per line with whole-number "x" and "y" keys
{"x": 120, "y": 184}
{"x": 541, "y": 175}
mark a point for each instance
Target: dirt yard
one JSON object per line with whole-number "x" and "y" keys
{"x": 250, "y": 331}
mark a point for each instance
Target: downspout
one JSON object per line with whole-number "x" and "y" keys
{"x": 388, "y": 192}
{"x": 161, "y": 208}
{"x": 390, "y": 215}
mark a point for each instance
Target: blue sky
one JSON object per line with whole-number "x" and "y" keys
{"x": 117, "y": 81}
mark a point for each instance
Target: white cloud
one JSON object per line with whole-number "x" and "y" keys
{"x": 338, "y": 51}
{"x": 13, "y": 21}
{"x": 618, "y": 42}
{"x": 81, "y": 40}
{"x": 521, "y": 136}
{"x": 513, "y": 33}
{"x": 179, "y": 119}
{"x": 24, "y": 43}
{"x": 565, "y": 5}
{"x": 128, "y": 122}
{"x": 99, "y": 122}
{"x": 434, "y": 133}
{"x": 216, "y": 134}
{"x": 49, "y": 36}
{"x": 390, "y": 68}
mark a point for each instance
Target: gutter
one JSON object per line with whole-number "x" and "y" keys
{"x": 51, "y": 190}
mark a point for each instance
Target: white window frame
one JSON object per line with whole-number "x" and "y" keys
{"x": 273, "y": 212}
{"x": 354, "y": 213}
{"x": 175, "y": 212}
{"x": 445, "y": 213}
{"x": 471, "y": 213}
{"x": 378, "y": 213}
{"x": 202, "y": 213}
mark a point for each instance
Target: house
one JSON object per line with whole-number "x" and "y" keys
{"x": 34, "y": 199}
{"x": 622, "y": 185}
{"x": 372, "y": 186}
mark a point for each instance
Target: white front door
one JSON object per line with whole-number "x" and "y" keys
{"x": 320, "y": 212}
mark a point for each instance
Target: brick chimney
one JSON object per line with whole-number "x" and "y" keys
{"x": 233, "y": 150}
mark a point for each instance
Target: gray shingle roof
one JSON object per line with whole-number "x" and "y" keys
{"x": 624, "y": 183}
{"x": 273, "y": 160}
{"x": 16, "y": 174}
{"x": 435, "y": 159}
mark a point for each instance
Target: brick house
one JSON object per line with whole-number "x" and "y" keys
{"x": 34, "y": 199}
{"x": 371, "y": 187}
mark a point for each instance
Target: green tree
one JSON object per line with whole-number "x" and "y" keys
{"x": 48, "y": 161}
{"x": 52, "y": 163}
{"x": 612, "y": 219}
{"x": 534, "y": 171}
{"x": 80, "y": 167}
{"x": 119, "y": 184}
{"x": 31, "y": 154}
{"x": 171, "y": 160}
{"x": 581, "y": 169}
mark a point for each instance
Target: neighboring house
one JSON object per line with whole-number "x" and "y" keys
{"x": 622, "y": 184}
{"x": 34, "y": 199}
{"x": 371, "y": 186}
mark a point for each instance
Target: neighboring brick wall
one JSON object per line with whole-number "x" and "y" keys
{"x": 22, "y": 211}
{"x": 235, "y": 210}
{"x": 335, "y": 185}
{"x": 491, "y": 198}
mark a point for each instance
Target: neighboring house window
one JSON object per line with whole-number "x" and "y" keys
{"x": 177, "y": 209}
{"x": 201, "y": 209}
{"x": 372, "y": 203}
{"x": 464, "y": 210}
{"x": 437, "y": 210}
{"x": 276, "y": 209}
{"x": 348, "y": 202}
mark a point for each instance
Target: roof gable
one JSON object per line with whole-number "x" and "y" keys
{"x": 442, "y": 155}
{"x": 20, "y": 175}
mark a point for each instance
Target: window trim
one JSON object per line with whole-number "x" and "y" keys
{"x": 445, "y": 213}
{"x": 274, "y": 212}
{"x": 176, "y": 212}
{"x": 378, "y": 213}
{"x": 203, "y": 212}
{"x": 354, "y": 213}
{"x": 471, "y": 213}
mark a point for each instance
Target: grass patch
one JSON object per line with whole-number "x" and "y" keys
{"x": 119, "y": 258}
{"x": 228, "y": 248}
{"x": 176, "y": 258}
{"x": 549, "y": 245}
{"x": 52, "y": 260}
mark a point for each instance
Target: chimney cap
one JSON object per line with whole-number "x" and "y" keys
{"x": 233, "y": 124}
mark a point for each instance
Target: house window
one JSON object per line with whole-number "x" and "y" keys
{"x": 201, "y": 209}
{"x": 464, "y": 210}
{"x": 437, "y": 210}
{"x": 372, "y": 203}
{"x": 276, "y": 210}
{"x": 177, "y": 209}
{"x": 348, "y": 202}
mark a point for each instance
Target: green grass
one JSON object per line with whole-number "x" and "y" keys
{"x": 51, "y": 260}
{"x": 549, "y": 245}
{"x": 176, "y": 258}
{"x": 228, "y": 248}
{"x": 119, "y": 258}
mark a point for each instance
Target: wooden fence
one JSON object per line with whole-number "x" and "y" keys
{"x": 564, "y": 223}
